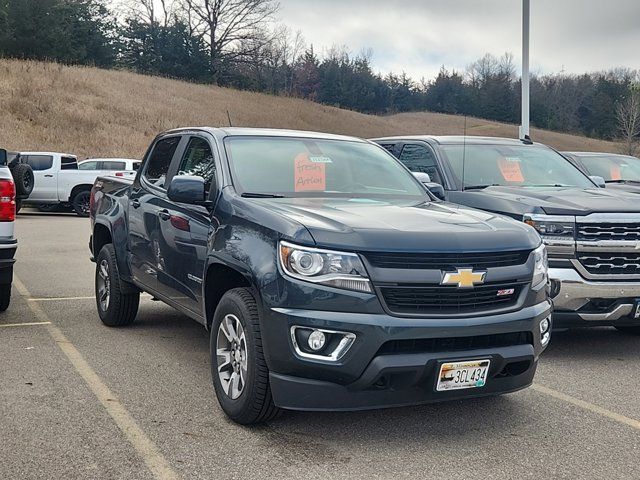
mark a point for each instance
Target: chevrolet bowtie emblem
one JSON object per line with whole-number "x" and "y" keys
{"x": 464, "y": 278}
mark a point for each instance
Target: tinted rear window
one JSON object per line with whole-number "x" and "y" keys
{"x": 39, "y": 162}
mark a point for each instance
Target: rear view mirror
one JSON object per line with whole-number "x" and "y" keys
{"x": 599, "y": 181}
{"x": 436, "y": 189}
{"x": 187, "y": 189}
{"x": 3, "y": 156}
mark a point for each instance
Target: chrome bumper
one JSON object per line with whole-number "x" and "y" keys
{"x": 575, "y": 292}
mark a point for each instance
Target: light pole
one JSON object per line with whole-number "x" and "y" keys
{"x": 524, "y": 126}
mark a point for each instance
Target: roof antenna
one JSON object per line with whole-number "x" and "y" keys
{"x": 229, "y": 118}
{"x": 464, "y": 149}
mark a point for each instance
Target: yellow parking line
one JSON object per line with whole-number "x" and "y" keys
{"x": 147, "y": 450}
{"x": 53, "y": 299}
{"x": 24, "y": 324}
{"x": 590, "y": 407}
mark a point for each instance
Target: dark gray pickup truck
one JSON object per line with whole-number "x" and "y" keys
{"x": 328, "y": 276}
{"x": 592, "y": 234}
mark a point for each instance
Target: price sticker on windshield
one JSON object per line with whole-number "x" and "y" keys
{"x": 309, "y": 176}
{"x": 510, "y": 169}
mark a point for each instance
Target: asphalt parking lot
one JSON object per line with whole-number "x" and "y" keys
{"x": 79, "y": 400}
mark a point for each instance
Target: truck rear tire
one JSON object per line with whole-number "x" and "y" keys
{"x": 5, "y": 296}
{"x": 238, "y": 368}
{"x": 81, "y": 203}
{"x": 117, "y": 305}
{"x": 23, "y": 179}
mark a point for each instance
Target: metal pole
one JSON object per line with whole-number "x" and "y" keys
{"x": 524, "y": 127}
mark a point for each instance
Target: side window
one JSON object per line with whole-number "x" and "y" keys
{"x": 136, "y": 166}
{"x": 68, "y": 163}
{"x": 198, "y": 160}
{"x": 88, "y": 166}
{"x": 39, "y": 162}
{"x": 110, "y": 165}
{"x": 419, "y": 158}
{"x": 159, "y": 161}
{"x": 389, "y": 147}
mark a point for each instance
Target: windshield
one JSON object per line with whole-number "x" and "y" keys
{"x": 613, "y": 168}
{"x": 294, "y": 167}
{"x": 513, "y": 165}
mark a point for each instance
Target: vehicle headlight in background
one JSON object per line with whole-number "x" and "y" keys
{"x": 335, "y": 269}
{"x": 541, "y": 268}
{"x": 553, "y": 226}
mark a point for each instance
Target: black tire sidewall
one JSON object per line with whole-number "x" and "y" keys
{"x": 23, "y": 174}
{"x": 77, "y": 203}
{"x": 232, "y": 303}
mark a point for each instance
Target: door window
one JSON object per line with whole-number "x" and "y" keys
{"x": 419, "y": 158}
{"x": 159, "y": 161}
{"x": 198, "y": 161}
{"x": 39, "y": 162}
{"x": 111, "y": 165}
{"x": 88, "y": 165}
{"x": 68, "y": 163}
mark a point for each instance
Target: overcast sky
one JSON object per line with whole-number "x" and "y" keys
{"x": 418, "y": 36}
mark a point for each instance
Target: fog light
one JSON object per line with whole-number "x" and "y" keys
{"x": 316, "y": 340}
{"x": 545, "y": 339}
{"x": 544, "y": 325}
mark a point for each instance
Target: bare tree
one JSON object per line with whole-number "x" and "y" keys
{"x": 628, "y": 117}
{"x": 227, "y": 25}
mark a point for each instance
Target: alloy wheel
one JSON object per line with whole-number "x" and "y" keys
{"x": 232, "y": 359}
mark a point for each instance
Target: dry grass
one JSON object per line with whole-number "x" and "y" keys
{"x": 92, "y": 112}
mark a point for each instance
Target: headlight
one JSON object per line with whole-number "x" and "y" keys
{"x": 326, "y": 267}
{"x": 553, "y": 227}
{"x": 541, "y": 267}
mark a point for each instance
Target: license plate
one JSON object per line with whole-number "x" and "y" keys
{"x": 459, "y": 375}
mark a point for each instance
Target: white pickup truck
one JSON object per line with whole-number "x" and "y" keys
{"x": 8, "y": 242}
{"x": 58, "y": 181}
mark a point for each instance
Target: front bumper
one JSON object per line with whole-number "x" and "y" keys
{"x": 7, "y": 252}
{"x": 575, "y": 300}
{"x": 366, "y": 378}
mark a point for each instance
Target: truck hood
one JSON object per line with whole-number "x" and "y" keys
{"x": 631, "y": 187}
{"x": 358, "y": 224}
{"x": 553, "y": 200}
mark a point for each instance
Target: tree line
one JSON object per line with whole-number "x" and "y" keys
{"x": 237, "y": 43}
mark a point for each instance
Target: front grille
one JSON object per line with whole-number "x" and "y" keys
{"x": 601, "y": 263}
{"x": 608, "y": 231}
{"x": 455, "y": 344}
{"x": 439, "y": 299}
{"x": 447, "y": 261}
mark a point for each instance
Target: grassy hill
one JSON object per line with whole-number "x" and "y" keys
{"x": 92, "y": 112}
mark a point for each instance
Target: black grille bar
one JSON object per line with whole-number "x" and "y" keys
{"x": 447, "y": 261}
{"x": 601, "y": 263}
{"x": 431, "y": 345}
{"x": 608, "y": 231}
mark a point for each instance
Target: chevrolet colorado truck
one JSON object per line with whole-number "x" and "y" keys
{"x": 8, "y": 242}
{"x": 327, "y": 275}
{"x": 592, "y": 234}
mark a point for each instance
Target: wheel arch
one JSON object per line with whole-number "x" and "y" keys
{"x": 220, "y": 277}
{"x": 83, "y": 187}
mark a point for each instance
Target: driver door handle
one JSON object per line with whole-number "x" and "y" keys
{"x": 164, "y": 215}
{"x": 48, "y": 175}
{"x": 135, "y": 203}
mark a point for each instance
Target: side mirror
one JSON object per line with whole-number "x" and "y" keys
{"x": 3, "y": 156}
{"x": 187, "y": 189}
{"x": 435, "y": 188}
{"x": 598, "y": 180}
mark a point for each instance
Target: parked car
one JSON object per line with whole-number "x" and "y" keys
{"x": 23, "y": 177}
{"x": 8, "y": 242}
{"x": 592, "y": 234}
{"x": 620, "y": 172}
{"x": 125, "y": 165}
{"x": 328, "y": 277}
{"x": 58, "y": 182}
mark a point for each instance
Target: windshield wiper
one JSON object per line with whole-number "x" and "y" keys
{"x": 622, "y": 181}
{"x": 261, "y": 195}
{"x": 479, "y": 187}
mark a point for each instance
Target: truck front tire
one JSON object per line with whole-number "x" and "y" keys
{"x": 5, "y": 296}
{"x": 117, "y": 305}
{"x": 238, "y": 367}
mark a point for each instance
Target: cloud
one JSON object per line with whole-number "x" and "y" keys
{"x": 418, "y": 36}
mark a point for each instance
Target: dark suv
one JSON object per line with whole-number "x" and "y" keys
{"x": 328, "y": 276}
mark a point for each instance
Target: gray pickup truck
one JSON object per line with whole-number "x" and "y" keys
{"x": 328, "y": 276}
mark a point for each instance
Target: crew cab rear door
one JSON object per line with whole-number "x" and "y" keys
{"x": 147, "y": 196}
{"x": 185, "y": 229}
